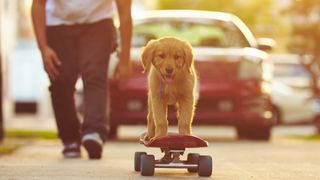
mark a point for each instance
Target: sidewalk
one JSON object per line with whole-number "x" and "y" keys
{"x": 241, "y": 160}
{"x": 43, "y": 160}
{"x": 30, "y": 122}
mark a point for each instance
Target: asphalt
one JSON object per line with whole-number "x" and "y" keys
{"x": 281, "y": 158}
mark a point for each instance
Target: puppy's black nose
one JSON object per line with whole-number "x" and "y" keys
{"x": 169, "y": 70}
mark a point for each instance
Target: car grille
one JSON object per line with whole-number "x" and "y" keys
{"x": 218, "y": 105}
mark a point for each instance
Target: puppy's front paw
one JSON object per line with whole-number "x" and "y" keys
{"x": 185, "y": 131}
{"x": 154, "y": 138}
{"x": 148, "y": 137}
{"x": 158, "y": 136}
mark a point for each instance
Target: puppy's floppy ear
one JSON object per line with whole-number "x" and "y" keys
{"x": 188, "y": 55}
{"x": 148, "y": 54}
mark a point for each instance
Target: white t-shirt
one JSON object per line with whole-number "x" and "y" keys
{"x": 69, "y": 12}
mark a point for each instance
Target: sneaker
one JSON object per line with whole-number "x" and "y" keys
{"x": 71, "y": 150}
{"x": 93, "y": 143}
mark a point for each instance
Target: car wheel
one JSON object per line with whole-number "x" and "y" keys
{"x": 113, "y": 131}
{"x": 242, "y": 132}
{"x": 260, "y": 133}
{"x": 254, "y": 133}
{"x": 276, "y": 116}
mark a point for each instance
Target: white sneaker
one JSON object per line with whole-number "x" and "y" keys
{"x": 93, "y": 143}
{"x": 71, "y": 150}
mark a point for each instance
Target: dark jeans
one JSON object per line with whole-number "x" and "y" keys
{"x": 84, "y": 51}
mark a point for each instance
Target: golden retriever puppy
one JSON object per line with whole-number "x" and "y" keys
{"x": 171, "y": 81}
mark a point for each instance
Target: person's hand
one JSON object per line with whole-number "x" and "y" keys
{"x": 123, "y": 71}
{"x": 50, "y": 62}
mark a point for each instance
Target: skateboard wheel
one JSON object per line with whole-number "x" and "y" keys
{"x": 205, "y": 166}
{"x": 137, "y": 160}
{"x": 193, "y": 158}
{"x": 147, "y": 165}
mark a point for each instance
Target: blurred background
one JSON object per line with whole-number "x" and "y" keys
{"x": 291, "y": 26}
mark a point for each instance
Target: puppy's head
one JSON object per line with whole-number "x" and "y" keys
{"x": 169, "y": 56}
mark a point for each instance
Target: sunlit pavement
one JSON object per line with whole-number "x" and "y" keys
{"x": 282, "y": 158}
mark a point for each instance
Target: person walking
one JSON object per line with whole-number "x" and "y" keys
{"x": 76, "y": 39}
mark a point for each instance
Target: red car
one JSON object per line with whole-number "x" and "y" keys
{"x": 234, "y": 72}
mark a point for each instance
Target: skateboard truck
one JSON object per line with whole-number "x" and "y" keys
{"x": 173, "y": 146}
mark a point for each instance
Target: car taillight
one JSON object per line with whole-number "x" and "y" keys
{"x": 251, "y": 87}
{"x": 265, "y": 87}
{"x": 258, "y": 104}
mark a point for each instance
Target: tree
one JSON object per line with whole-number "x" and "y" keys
{"x": 305, "y": 41}
{"x": 253, "y": 13}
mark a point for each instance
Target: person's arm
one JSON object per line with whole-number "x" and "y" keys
{"x": 49, "y": 57}
{"x": 124, "y": 66}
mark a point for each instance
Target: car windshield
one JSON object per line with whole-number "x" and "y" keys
{"x": 207, "y": 33}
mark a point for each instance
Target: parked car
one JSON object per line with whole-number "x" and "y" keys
{"x": 292, "y": 96}
{"x": 234, "y": 72}
{"x": 27, "y": 77}
{"x": 292, "y": 105}
{"x": 288, "y": 70}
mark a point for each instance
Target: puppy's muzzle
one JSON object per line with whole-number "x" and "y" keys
{"x": 169, "y": 70}
{"x": 168, "y": 77}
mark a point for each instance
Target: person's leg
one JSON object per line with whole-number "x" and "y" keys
{"x": 63, "y": 41}
{"x": 95, "y": 45}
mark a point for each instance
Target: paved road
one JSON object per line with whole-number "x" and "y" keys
{"x": 281, "y": 158}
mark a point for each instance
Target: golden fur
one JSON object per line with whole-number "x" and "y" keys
{"x": 171, "y": 81}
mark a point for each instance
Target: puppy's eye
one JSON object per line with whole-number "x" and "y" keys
{"x": 162, "y": 56}
{"x": 176, "y": 56}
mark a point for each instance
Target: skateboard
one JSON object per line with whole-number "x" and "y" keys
{"x": 173, "y": 146}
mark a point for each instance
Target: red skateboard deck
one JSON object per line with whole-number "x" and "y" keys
{"x": 175, "y": 141}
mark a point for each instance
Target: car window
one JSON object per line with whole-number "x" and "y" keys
{"x": 290, "y": 70}
{"x": 199, "y": 34}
